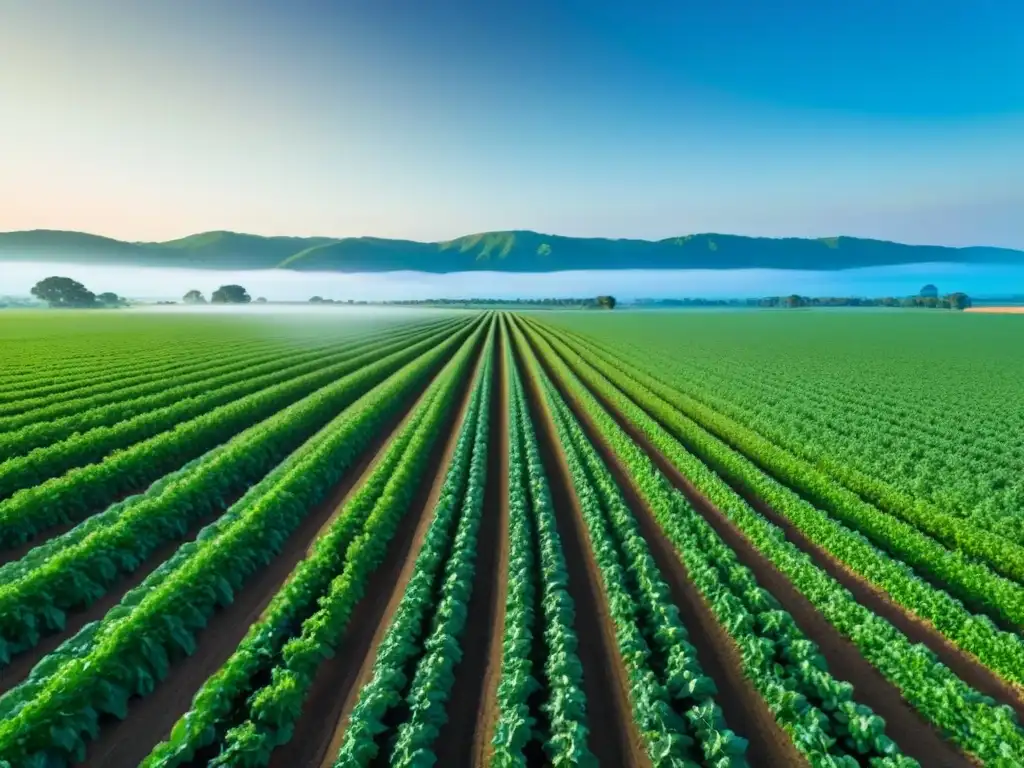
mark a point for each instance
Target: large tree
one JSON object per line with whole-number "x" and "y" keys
{"x": 230, "y": 294}
{"x": 959, "y": 300}
{"x": 64, "y": 292}
{"x": 194, "y": 297}
{"x": 110, "y": 299}
{"x": 606, "y": 302}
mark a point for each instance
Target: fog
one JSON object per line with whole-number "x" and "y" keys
{"x": 156, "y": 284}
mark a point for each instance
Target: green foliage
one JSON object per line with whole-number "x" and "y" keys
{"x": 63, "y": 292}
{"x": 230, "y": 294}
{"x": 520, "y": 251}
{"x": 129, "y": 650}
{"x": 976, "y": 723}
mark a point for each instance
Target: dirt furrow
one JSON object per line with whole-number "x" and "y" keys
{"x": 613, "y": 736}
{"x": 123, "y": 744}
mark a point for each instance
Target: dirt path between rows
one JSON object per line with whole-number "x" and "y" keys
{"x": 915, "y": 736}
{"x": 613, "y": 736}
{"x": 125, "y": 743}
{"x": 466, "y": 735}
{"x": 319, "y": 732}
{"x": 743, "y": 707}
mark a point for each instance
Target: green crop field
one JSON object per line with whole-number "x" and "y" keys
{"x": 424, "y": 537}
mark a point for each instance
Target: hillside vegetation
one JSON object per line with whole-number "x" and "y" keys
{"x": 518, "y": 251}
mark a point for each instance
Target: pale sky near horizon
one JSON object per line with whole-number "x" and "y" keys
{"x": 396, "y": 118}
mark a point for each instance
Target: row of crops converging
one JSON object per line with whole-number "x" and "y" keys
{"x": 480, "y": 539}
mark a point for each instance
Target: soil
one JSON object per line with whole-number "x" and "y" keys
{"x": 997, "y": 310}
{"x": 744, "y": 710}
{"x": 335, "y": 690}
{"x": 124, "y": 744}
{"x": 464, "y": 738}
{"x": 916, "y": 737}
{"x": 613, "y": 736}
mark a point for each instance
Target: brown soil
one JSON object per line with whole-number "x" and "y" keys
{"x": 915, "y": 736}
{"x": 997, "y": 310}
{"x": 466, "y": 735}
{"x": 613, "y": 736}
{"x": 744, "y": 710}
{"x": 335, "y": 690}
{"x": 123, "y": 744}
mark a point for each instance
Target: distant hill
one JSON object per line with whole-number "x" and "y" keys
{"x": 518, "y": 251}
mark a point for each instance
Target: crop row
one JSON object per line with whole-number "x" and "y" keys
{"x": 1000, "y": 650}
{"x": 82, "y": 491}
{"x": 668, "y": 737}
{"x": 75, "y": 569}
{"x": 898, "y": 535}
{"x": 46, "y": 405}
{"x": 68, "y": 378}
{"x": 538, "y": 576}
{"x": 177, "y": 400}
{"x": 320, "y": 596}
{"x": 897, "y": 451}
{"x": 818, "y": 711}
{"x": 977, "y": 724}
{"x": 132, "y": 648}
{"x": 429, "y": 686}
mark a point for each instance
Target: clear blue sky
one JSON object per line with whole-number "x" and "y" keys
{"x": 899, "y": 119}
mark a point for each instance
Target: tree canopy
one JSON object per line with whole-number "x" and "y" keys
{"x": 230, "y": 294}
{"x": 64, "y": 292}
{"x": 194, "y": 297}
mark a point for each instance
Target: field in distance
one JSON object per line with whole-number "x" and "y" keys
{"x": 419, "y": 537}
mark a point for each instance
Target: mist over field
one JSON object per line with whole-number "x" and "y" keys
{"x": 147, "y": 283}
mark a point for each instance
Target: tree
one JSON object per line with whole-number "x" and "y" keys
{"x": 230, "y": 294}
{"x": 194, "y": 297}
{"x": 929, "y": 292}
{"x": 959, "y": 300}
{"x": 64, "y": 292}
{"x": 109, "y": 299}
{"x": 316, "y": 300}
{"x": 261, "y": 300}
{"x": 606, "y": 302}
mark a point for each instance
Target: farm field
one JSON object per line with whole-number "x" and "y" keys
{"x": 426, "y": 537}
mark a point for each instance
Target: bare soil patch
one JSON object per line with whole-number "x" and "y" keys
{"x": 996, "y": 310}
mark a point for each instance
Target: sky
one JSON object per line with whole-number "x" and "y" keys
{"x": 429, "y": 120}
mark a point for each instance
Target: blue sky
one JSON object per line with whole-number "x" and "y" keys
{"x": 899, "y": 120}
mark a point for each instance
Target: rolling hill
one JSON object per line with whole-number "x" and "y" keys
{"x": 514, "y": 251}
